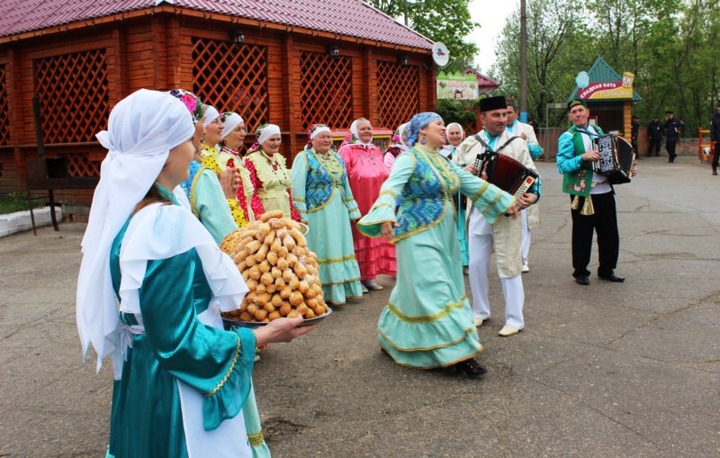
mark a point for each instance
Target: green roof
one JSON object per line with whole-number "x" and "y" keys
{"x": 602, "y": 72}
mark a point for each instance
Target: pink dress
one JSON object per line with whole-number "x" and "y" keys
{"x": 367, "y": 172}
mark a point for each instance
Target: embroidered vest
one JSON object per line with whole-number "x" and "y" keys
{"x": 422, "y": 200}
{"x": 579, "y": 183}
{"x": 319, "y": 185}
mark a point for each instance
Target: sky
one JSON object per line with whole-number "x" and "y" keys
{"x": 491, "y": 15}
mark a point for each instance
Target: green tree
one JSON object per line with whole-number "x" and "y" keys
{"x": 447, "y": 21}
{"x": 556, "y": 34}
{"x": 672, "y": 47}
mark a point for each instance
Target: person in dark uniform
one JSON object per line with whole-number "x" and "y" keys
{"x": 715, "y": 138}
{"x": 672, "y": 128}
{"x": 635, "y": 124}
{"x": 655, "y": 131}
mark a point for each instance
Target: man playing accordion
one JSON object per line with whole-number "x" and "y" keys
{"x": 505, "y": 234}
{"x": 591, "y": 195}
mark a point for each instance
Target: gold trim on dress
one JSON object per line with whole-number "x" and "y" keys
{"x": 256, "y": 439}
{"x": 349, "y": 257}
{"x": 436, "y": 347}
{"x": 428, "y": 318}
{"x": 230, "y": 371}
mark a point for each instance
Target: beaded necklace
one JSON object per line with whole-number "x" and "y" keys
{"x": 329, "y": 161}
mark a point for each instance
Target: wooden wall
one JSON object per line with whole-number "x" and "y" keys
{"x": 164, "y": 51}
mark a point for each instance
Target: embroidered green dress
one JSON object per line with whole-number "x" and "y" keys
{"x": 185, "y": 380}
{"x": 427, "y": 322}
{"x": 322, "y": 195}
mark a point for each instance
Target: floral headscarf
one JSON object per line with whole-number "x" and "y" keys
{"x": 191, "y": 102}
{"x": 417, "y": 123}
{"x": 316, "y": 129}
{"x": 262, "y": 134}
{"x": 230, "y": 121}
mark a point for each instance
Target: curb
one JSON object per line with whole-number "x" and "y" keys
{"x": 11, "y": 223}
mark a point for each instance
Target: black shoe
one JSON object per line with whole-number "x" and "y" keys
{"x": 471, "y": 368}
{"x": 612, "y": 277}
{"x": 714, "y": 172}
{"x": 583, "y": 280}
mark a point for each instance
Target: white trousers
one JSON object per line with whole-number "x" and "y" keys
{"x": 513, "y": 292}
{"x": 526, "y": 233}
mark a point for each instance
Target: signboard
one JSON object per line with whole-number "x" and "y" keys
{"x": 609, "y": 90}
{"x": 457, "y": 86}
{"x": 441, "y": 54}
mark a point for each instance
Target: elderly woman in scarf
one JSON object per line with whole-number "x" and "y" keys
{"x": 323, "y": 196}
{"x": 397, "y": 146}
{"x": 211, "y": 194}
{"x": 428, "y": 323}
{"x": 455, "y": 134}
{"x": 270, "y": 177}
{"x": 151, "y": 288}
{"x": 233, "y": 136}
{"x": 367, "y": 172}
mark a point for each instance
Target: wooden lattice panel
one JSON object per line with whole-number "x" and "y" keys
{"x": 398, "y": 93}
{"x": 232, "y": 78}
{"x": 326, "y": 90}
{"x": 80, "y": 165}
{"x": 4, "y": 108}
{"x": 73, "y": 92}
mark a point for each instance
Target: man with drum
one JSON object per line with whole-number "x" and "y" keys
{"x": 591, "y": 195}
{"x": 505, "y": 234}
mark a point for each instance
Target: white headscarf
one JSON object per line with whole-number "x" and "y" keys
{"x": 267, "y": 132}
{"x": 318, "y": 131}
{"x": 142, "y": 129}
{"x": 354, "y": 131}
{"x": 211, "y": 114}
{"x": 231, "y": 122}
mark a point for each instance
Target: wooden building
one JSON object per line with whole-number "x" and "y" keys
{"x": 609, "y": 98}
{"x": 287, "y": 62}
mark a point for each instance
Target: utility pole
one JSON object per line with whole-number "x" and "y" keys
{"x": 523, "y": 62}
{"x": 405, "y": 12}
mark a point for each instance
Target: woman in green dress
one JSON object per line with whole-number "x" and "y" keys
{"x": 428, "y": 323}
{"x": 151, "y": 288}
{"x": 322, "y": 195}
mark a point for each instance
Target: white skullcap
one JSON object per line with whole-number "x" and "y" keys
{"x": 267, "y": 132}
{"x": 232, "y": 120}
{"x": 211, "y": 114}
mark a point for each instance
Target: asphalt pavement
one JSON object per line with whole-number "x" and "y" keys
{"x": 606, "y": 370}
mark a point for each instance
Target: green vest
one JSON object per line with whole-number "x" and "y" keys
{"x": 579, "y": 183}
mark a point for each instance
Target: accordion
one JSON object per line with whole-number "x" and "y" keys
{"x": 505, "y": 172}
{"x": 616, "y": 158}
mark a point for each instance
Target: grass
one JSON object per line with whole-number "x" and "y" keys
{"x": 15, "y": 202}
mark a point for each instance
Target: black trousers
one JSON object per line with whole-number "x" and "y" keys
{"x": 654, "y": 147}
{"x": 604, "y": 223}
{"x": 716, "y": 156}
{"x": 670, "y": 147}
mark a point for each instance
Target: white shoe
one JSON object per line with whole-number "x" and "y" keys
{"x": 372, "y": 285}
{"x": 525, "y": 269}
{"x": 364, "y": 290}
{"x": 508, "y": 330}
{"x": 477, "y": 322}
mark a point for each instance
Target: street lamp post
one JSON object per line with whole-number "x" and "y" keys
{"x": 523, "y": 62}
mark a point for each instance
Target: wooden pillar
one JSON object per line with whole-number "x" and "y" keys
{"x": 431, "y": 94}
{"x": 16, "y": 113}
{"x": 370, "y": 106}
{"x": 173, "y": 53}
{"x": 118, "y": 67}
{"x": 160, "y": 52}
{"x": 290, "y": 120}
{"x": 627, "y": 120}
